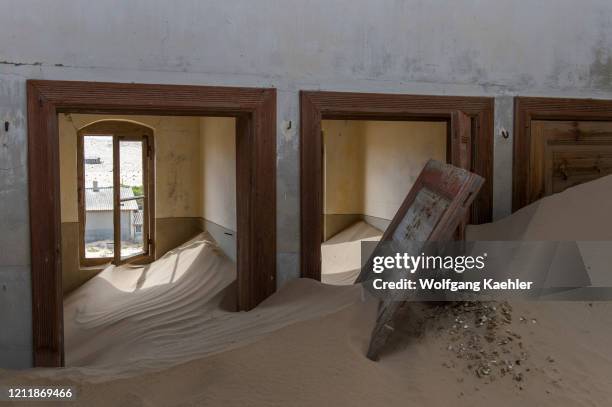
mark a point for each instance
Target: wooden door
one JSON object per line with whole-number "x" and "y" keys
{"x": 432, "y": 210}
{"x": 567, "y": 153}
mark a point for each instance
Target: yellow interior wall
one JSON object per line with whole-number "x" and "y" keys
{"x": 195, "y": 184}
{"x": 178, "y": 178}
{"x": 369, "y": 166}
{"x": 343, "y": 166}
{"x": 218, "y": 170}
{"x": 394, "y": 155}
{"x": 68, "y": 169}
{"x": 177, "y": 163}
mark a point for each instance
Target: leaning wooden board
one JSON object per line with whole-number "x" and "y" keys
{"x": 433, "y": 209}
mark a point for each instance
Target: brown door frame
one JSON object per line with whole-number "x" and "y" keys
{"x": 316, "y": 106}
{"x": 255, "y": 113}
{"x": 527, "y": 109}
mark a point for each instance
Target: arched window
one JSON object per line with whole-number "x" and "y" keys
{"x": 116, "y": 192}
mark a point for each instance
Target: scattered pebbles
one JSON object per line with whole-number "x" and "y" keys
{"x": 482, "y": 339}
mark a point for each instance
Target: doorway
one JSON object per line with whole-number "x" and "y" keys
{"x": 148, "y": 208}
{"x": 468, "y": 125}
{"x": 368, "y": 168}
{"x": 254, "y": 111}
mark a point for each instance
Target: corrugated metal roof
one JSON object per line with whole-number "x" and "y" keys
{"x": 102, "y": 199}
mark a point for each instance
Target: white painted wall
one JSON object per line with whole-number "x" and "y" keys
{"x": 495, "y": 48}
{"x": 101, "y": 220}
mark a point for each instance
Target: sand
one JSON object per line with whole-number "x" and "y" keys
{"x": 341, "y": 254}
{"x": 579, "y": 213}
{"x": 305, "y": 345}
{"x": 582, "y": 213}
{"x": 130, "y": 319}
{"x": 320, "y": 362}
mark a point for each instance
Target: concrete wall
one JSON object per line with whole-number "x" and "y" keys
{"x": 496, "y": 48}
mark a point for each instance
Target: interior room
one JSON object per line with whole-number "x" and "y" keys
{"x": 368, "y": 168}
{"x": 185, "y": 187}
{"x": 173, "y": 221}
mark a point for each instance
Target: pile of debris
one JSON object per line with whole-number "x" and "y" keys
{"x": 482, "y": 340}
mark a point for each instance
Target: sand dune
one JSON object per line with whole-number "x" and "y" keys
{"x": 341, "y": 254}
{"x": 579, "y": 213}
{"x": 130, "y": 319}
{"x": 305, "y": 345}
{"x": 321, "y": 362}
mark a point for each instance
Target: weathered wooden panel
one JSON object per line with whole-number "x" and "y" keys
{"x": 432, "y": 210}
{"x": 567, "y": 153}
{"x": 527, "y": 110}
{"x": 569, "y": 165}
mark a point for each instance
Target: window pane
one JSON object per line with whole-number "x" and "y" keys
{"x": 132, "y": 236}
{"x": 98, "y": 166}
{"x": 132, "y": 198}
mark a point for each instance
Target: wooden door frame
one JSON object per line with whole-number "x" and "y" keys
{"x": 527, "y": 109}
{"x": 255, "y": 113}
{"x": 316, "y": 106}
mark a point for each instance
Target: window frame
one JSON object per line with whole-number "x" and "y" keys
{"x": 119, "y": 130}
